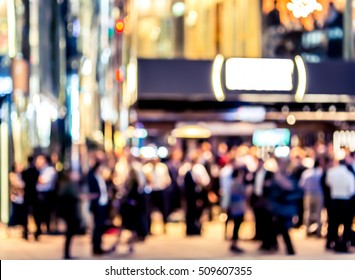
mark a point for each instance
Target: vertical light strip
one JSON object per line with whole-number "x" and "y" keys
{"x": 11, "y": 25}
{"x": 75, "y": 108}
{"x": 4, "y": 148}
{"x": 302, "y": 79}
{"x": 216, "y": 78}
{"x": 104, "y": 17}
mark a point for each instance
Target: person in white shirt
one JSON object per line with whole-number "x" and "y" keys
{"x": 158, "y": 180}
{"x": 342, "y": 188}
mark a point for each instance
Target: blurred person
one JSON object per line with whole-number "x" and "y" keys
{"x": 259, "y": 204}
{"x": 334, "y": 21}
{"x": 222, "y": 157}
{"x": 58, "y": 166}
{"x": 351, "y": 167}
{"x": 107, "y": 173}
{"x": 45, "y": 187}
{"x": 133, "y": 208}
{"x": 207, "y": 159}
{"x": 297, "y": 170}
{"x": 174, "y": 164}
{"x": 326, "y": 162}
{"x": 284, "y": 196}
{"x": 334, "y": 17}
{"x": 310, "y": 182}
{"x": 30, "y": 177}
{"x": 342, "y": 189}
{"x": 273, "y": 17}
{"x": 158, "y": 181}
{"x": 139, "y": 177}
{"x": 68, "y": 199}
{"x": 237, "y": 204}
{"x": 196, "y": 180}
{"x": 98, "y": 205}
{"x": 17, "y": 196}
{"x": 226, "y": 181}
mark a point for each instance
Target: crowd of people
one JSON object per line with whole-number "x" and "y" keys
{"x": 282, "y": 193}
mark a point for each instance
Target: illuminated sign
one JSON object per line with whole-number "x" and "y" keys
{"x": 251, "y": 114}
{"x": 271, "y": 137}
{"x": 259, "y": 74}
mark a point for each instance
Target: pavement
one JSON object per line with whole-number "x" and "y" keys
{"x": 171, "y": 245}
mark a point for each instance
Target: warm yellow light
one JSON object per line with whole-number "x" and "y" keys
{"x": 302, "y": 79}
{"x": 216, "y": 78}
{"x": 132, "y": 81}
{"x": 291, "y": 119}
{"x": 191, "y": 131}
{"x": 11, "y": 23}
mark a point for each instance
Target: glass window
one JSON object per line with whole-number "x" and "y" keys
{"x": 316, "y": 31}
{"x": 198, "y": 29}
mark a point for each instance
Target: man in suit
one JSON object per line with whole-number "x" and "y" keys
{"x": 30, "y": 177}
{"x": 98, "y": 205}
{"x": 262, "y": 214}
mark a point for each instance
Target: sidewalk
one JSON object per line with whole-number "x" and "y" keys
{"x": 173, "y": 245}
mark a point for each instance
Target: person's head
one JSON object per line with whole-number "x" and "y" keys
{"x": 41, "y": 161}
{"x": 222, "y": 148}
{"x": 30, "y": 160}
{"x": 206, "y": 146}
{"x": 17, "y": 167}
{"x": 193, "y": 157}
{"x": 54, "y": 158}
{"x": 177, "y": 155}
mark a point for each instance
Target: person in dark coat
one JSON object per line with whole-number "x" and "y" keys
{"x": 133, "y": 209}
{"x": 284, "y": 196}
{"x": 193, "y": 226}
{"x": 69, "y": 208}
{"x": 30, "y": 177}
{"x": 99, "y": 206}
{"x": 260, "y": 204}
{"x": 195, "y": 182}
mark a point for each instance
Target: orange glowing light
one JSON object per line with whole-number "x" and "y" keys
{"x": 119, "y": 26}
{"x": 120, "y": 75}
